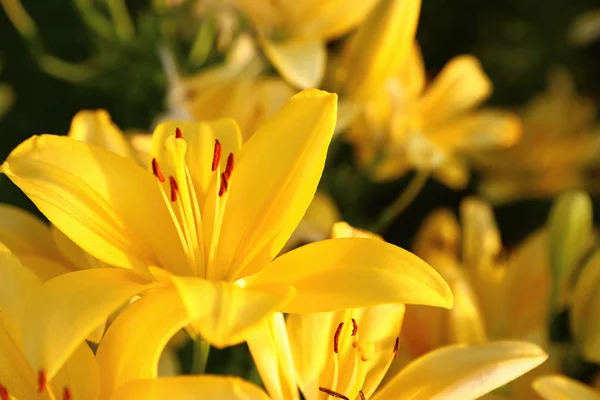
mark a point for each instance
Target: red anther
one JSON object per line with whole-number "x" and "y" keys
{"x": 3, "y": 393}
{"x": 174, "y": 188}
{"x": 67, "y": 394}
{"x": 216, "y": 155}
{"x": 354, "y": 327}
{"x": 229, "y": 165}
{"x": 396, "y": 347}
{"x": 333, "y": 393}
{"x": 42, "y": 381}
{"x": 224, "y": 184}
{"x": 336, "y": 337}
{"x": 178, "y": 134}
{"x": 362, "y": 395}
{"x": 156, "y": 170}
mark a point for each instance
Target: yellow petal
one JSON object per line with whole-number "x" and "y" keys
{"x": 585, "y": 306}
{"x": 274, "y": 182}
{"x": 463, "y": 372}
{"x": 133, "y": 344}
{"x": 317, "y": 222}
{"x": 86, "y": 192}
{"x": 190, "y": 388}
{"x": 466, "y": 324}
{"x": 331, "y": 275}
{"x": 97, "y": 128}
{"x": 223, "y": 313}
{"x": 557, "y": 387}
{"x": 16, "y": 376}
{"x": 45, "y": 268}
{"x": 77, "y": 257}
{"x": 301, "y": 63}
{"x": 79, "y": 375}
{"x": 461, "y": 85}
{"x": 270, "y": 350}
{"x": 25, "y": 234}
{"x": 66, "y": 309}
{"x": 331, "y": 18}
{"x": 380, "y": 47}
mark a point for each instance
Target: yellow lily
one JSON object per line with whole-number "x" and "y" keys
{"x": 558, "y": 387}
{"x": 293, "y": 34}
{"x": 538, "y": 166}
{"x": 202, "y": 230}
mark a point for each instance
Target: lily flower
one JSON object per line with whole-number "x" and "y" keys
{"x": 201, "y": 226}
{"x": 558, "y": 387}
{"x": 538, "y": 166}
{"x": 346, "y": 354}
{"x": 293, "y": 34}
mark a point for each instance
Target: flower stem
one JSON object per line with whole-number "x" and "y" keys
{"x": 393, "y": 210}
{"x": 200, "y": 356}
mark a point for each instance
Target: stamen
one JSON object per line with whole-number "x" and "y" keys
{"x": 396, "y": 347}
{"x": 174, "y": 189}
{"x": 3, "y": 393}
{"x": 178, "y": 134}
{"x": 333, "y": 393}
{"x": 224, "y": 184}
{"x": 354, "y": 327}
{"x": 156, "y": 170}
{"x": 229, "y": 165}
{"x": 216, "y": 155}
{"x": 336, "y": 337}
{"x": 67, "y": 394}
{"x": 42, "y": 381}
{"x": 362, "y": 395}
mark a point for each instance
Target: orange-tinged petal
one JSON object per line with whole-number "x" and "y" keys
{"x": 331, "y": 275}
{"x": 25, "y": 234}
{"x": 86, "y": 192}
{"x": 66, "y": 309}
{"x": 190, "y": 388}
{"x": 461, "y": 85}
{"x": 96, "y": 127}
{"x": 274, "y": 181}
{"x": 558, "y": 387}
{"x": 301, "y": 63}
{"x": 223, "y": 313}
{"x": 463, "y": 372}
{"x": 133, "y": 344}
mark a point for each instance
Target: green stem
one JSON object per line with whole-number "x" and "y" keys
{"x": 393, "y": 210}
{"x": 200, "y": 356}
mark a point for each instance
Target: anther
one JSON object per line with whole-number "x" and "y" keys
{"x": 362, "y": 395}
{"x": 3, "y": 393}
{"x": 156, "y": 170}
{"x": 333, "y": 393}
{"x": 178, "y": 134}
{"x": 42, "y": 381}
{"x": 229, "y": 165}
{"x": 396, "y": 347}
{"x": 336, "y": 337}
{"x": 354, "y": 327}
{"x": 67, "y": 394}
{"x": 216, "y": 155}
{"x": 224, "y": 184}
{"x": 174, "y": 188}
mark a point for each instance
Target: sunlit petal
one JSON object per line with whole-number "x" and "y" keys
{"x": 301, "y": 63}
{"x": 557, "y": 387}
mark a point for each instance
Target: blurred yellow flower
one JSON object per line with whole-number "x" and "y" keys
{"x": 293, "y": 34}
{"x": 539, "y": 165}
{"x": 558, "y": 387}
{"x": 199, "y": 228}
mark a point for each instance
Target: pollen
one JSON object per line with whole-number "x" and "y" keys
{"x": 333, "y": 393}
{"x": 229, "y": 165}
{"x": 216, "y": 155}
{"x": 42, "y": 381}
{"x": 354, "y": 327}
{"x": 336, "y": 337}
{"x": 156, "y": 170}
{"x": 396, "y": 347}
{"x": 362, "y": 395}
{"x": 67, "y": 394}
{"x": 3, "y": 393}
{"x": 224, "y": 184}
{"x": 174, "y": 188}
{"x": 178, "y": 134}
